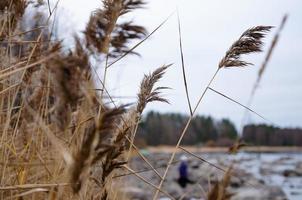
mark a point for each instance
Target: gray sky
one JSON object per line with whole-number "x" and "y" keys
{"x": 209, "y": 28}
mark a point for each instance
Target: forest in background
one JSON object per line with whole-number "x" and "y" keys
{"x": 264, "y": 135}
{"x": 165, "y": 128}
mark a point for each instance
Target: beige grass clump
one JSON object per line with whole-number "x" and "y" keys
{"x": 54, "y": 142}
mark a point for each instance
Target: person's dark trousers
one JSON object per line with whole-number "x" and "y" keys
{"x": 183, "y": 181}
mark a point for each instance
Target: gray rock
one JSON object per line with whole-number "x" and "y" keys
{"x": 292, "y": 172}
{"x": 263, "y": 193}
{"x": 135, "y": 193}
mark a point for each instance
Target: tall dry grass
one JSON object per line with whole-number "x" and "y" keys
{"x": 59, "y": 139}
{"x": 249, "y": 42}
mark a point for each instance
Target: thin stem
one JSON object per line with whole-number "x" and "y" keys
{"x": 31, "y": 186}
{"x": 132, "y": 135}
{"x": 148, "y": 182}
{"x": 143, "y": 157}
{"x": 105, "y": 75}
{"x": 246, "y": 107}
{"x": 183, "y": 134}
{"x": 213, "y": 165}
{"x": 183, "y": 64}
{"x": 143, "y": 170}
{"x": 49, "y": 9}
{"x": 140, "y": 42}
{"x": 103, "y": 83}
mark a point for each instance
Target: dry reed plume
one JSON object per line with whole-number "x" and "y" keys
{"x": 271, "y": 49}
{"x": 103, "y": 32}
{"x": 249, "y": 42}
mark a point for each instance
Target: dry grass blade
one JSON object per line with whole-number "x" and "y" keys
{"x": 32, "y": 186}
{"x": 9, "y": 88}
{"x": 25, "y": 164}
{"x": 43, "y": 60}
{"x": 203, "y": 160}
{"x": 49, "y": 9}
{"x": 249, "y": 42}
{"x": 143, "y": 170}
{"x": 183, "y": 64}
{"x": 144, "y": 158}
{"x": 219, "y": 191}
{"x": 36, "y": 190}
{"x": 139, "y": 43}
{"x": 24, "y": 32}
{"x": 231, "y": 99}
{"x": 20, "y": 63}
{"x": 213, "y": 165}
{"x": 148, "y": 182}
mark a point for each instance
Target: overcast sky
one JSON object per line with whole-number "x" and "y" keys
{"x": 209, "y": 27}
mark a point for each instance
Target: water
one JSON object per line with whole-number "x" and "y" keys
{"x": 269, "y": 167}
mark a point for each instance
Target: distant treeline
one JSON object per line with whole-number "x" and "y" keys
{"x": 272, "y": 136}
{"x": 165, "y": 129}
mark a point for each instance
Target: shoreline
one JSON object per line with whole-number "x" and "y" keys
{"x": 260, "y": 149}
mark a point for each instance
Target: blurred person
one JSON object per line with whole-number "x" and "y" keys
{"x": 183, "y": 179}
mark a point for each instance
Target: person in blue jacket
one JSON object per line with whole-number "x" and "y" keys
{"x": 183, "y": 179}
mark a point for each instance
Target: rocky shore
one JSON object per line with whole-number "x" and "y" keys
{"x": 254, "y": 177}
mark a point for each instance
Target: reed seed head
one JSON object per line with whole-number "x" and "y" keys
{"x": 249, "y": 42}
